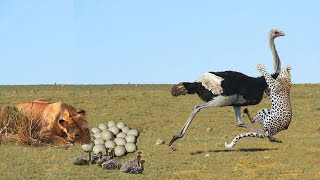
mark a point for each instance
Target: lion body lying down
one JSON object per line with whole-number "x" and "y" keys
{"x": 56, "y": 123}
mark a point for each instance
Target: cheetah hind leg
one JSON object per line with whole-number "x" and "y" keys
{"x": 237, "y": 138}
{"x": 252, "y": 119}
{"x": 259, "y": 117}
{"x": 273, "y": 139}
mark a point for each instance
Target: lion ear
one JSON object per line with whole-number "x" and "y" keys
{"x": 67, "y": 113}
{"x": 81, "y": 112}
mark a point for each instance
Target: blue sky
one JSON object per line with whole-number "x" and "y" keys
{"x": 152, "y": 42}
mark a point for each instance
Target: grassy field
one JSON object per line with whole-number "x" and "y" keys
{"x": 200, "y": 153}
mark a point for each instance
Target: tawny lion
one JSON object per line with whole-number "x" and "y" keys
{"x": 56, "y": 123}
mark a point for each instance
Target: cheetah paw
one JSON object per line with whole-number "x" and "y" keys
{"x": 273, "y": 139}
{"x": 260, "y": 67}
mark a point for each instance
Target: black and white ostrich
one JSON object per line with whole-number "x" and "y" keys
{"x": 227, "y": 88}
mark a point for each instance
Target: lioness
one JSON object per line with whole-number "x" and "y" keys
{"x": 56, "y": 123}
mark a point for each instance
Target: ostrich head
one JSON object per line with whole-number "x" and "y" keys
{"x": 276, "y": 33}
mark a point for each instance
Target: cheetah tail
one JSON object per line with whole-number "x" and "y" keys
{"x": 237, "y": 138}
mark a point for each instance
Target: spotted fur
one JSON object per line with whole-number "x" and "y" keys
{"x": 277, "y": 118}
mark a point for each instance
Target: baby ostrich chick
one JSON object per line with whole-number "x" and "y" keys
{"x": 94, "y": 159}
{"x": 134, "y": 166}
{"x": 104, "y": 159}
{"x": 111, "y": 164}
{"x": 80, "y": 161}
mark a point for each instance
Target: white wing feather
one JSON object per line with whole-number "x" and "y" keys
{"x": 211, "y": 82}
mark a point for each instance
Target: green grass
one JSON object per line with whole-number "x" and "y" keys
{"x": 156, "y": 114}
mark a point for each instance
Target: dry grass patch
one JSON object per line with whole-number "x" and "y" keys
{"x": 15, "y": 127}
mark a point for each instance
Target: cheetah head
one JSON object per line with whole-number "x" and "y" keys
{"x": 285, "y": 74}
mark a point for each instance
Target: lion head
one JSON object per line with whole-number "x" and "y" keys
{"x": 75, "y": 126}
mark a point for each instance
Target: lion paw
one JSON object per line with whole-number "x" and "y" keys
{"x": 67, "y": 145}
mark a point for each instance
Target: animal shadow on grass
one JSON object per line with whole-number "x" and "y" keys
{"x": 235, "y": 150}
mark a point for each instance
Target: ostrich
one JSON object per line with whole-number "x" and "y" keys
{"x": 80, "y": 161}
{"x": 103, "y": 159}
{"x": 228, "y": 88}
{"x": 111, "y": 164}
{"x": 134, "y": 166}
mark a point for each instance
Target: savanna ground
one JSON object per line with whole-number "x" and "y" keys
{"x": 200, "y": 153}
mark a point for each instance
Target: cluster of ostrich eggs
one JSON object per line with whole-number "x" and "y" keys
{"x": 112, "y": 136}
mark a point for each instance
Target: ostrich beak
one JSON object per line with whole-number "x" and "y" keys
{"x": 174, "y": 138}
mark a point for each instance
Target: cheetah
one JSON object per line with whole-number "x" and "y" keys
{"x": 279, "y": 116}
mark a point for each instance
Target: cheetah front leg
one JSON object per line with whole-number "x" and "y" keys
{"x": 267, "y": 93}
{"x": 269, "y": 79}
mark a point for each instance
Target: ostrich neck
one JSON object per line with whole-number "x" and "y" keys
{"x": 276, "y": 63}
